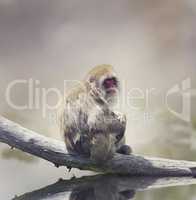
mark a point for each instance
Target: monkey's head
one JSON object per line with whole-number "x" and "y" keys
{"x": 103, "y": 78}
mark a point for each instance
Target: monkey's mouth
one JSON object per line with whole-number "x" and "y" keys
{"x": 111, "y": 91}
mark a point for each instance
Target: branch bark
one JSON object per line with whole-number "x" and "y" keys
{"x": 54, "y": 151}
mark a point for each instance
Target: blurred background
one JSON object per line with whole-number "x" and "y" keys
{"x": 151, "y": 44}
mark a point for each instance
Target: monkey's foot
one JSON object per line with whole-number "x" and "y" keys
{"x": 124, "y": 149}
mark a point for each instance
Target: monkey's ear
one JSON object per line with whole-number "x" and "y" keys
{"x": 91, "y": 79}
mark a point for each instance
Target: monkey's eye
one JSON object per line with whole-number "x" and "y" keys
{"x": 110, "y": 83}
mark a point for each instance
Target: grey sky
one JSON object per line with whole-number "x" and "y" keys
{"x": 150, "y": 43}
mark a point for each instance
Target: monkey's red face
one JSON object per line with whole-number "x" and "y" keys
{"x": 110, "y": 87}
{"x": 106, "y": 84}
{"x": 110, "y": 83}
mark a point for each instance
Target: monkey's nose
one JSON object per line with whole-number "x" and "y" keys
{"x": 109, "y": 83}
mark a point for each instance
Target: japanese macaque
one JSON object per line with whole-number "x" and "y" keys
{"x": 90, "y": 125}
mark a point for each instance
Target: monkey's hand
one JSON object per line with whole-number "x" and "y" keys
{"x": 119, "y": 116}
{"x": 98, "y": 97}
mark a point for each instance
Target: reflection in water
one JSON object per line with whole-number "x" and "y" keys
{"x": 102, "y": 187}
{"x": 102, "y": 190}
{"x": 101, "y": 194}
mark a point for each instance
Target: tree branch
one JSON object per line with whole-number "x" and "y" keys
{"x": 54, "y": 151}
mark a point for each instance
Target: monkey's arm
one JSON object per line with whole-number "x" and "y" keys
{"x": 117, "y": 125}
{"x": 98, "y": 97}
{"x": 119, "y": 128}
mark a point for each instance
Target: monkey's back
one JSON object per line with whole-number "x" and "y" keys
{"x": 88, "y": 125}
{"x": 74, "y": 115}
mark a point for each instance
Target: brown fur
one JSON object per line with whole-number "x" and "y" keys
{"x": 89, "y": 126}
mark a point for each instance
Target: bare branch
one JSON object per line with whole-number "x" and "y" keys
{"x": 54, "y": 151}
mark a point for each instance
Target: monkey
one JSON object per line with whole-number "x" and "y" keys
{"x": 90, "y": 125}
